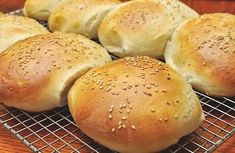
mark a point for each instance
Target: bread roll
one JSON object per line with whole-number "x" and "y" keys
{"x": 36, "y": 73}
{"x": 14, "y": 28}
{"x": 1, "y": 14}
{"x": 203, "y": 51}
{"x": 135, "y": 105}
{"x": 39, "y": 9}
{"x": 142, "y": 27}
{"x": 80, "y": 16}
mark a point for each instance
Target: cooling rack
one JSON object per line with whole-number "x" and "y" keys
{"x": 55, "y": 131}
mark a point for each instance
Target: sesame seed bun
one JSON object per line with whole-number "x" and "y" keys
{"x": 135, "y": 104}
{"x": 37, "y": 72}
{"x": 203, "y": 51}
{"x": 142, "y": 27}
{"x": 1, "y": 14}
{"x": 80, "y": 16}
{"x": 39, "y": 9}
{"x": 14, "y": 28}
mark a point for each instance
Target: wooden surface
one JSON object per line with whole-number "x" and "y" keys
{"x": 210, "y": 6}
{"x": 201, "y": 6}
{"x": 10, "y": 5}
{"x": 8, "y": 142}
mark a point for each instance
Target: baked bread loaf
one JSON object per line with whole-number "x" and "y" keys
{"x": 1, "y": 14}
{"x": 80, "y": 16}
{"x": 37, "y": 72}
{"x": 39, "y": 9}
{"x": 136, "y": 104}
{"x": 203, "y": 51}
{"x": 142, "y": 27}
{"x": 14, "y": 28}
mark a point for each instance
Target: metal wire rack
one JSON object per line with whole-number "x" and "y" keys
{"x": 55, "y": 131}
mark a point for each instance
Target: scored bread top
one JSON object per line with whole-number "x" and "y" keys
{"x": 14, "y": 28}
{"x": 202, "y": 50}
{"x": 142, "y": 27}
{"x": 37, "y": 72}
{"x": 80, "y": 16}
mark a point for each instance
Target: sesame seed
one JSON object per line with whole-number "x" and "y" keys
{"x": 124, "y": 118}
{"x": 124, "y": 126}
{"x": 166, "y": 119}
{"x": 176, "y": 116}
{"x": 110, "y": 110}
{"x": 163, "y": 90}
{"x": 127, "y": 100}
{"x": 108, "y": 89}
{"x": 113, "y": 130}
{"x": 133, "y": 127}
{"x": 160, "y": 119}
{"x": 152, "y": 110}
{"x": 119, "y": 127}
{"x": 110, "y": 116}
{"x": 168, "y": 103}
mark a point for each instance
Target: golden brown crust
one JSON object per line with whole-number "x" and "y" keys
{"x": 40, "y": 9}
{"x": 136, "y": 104}
{"x": 14, "y": 28}
{"x": 142, "y": 27}
{"x": 37, "y": 72}
{"x": 202, "y": 50}
{"x": 1, "y": 14}
{"x": 79, "y": 16}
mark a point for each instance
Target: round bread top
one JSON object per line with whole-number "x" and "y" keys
{"x": 14, "y": 28}
{"x": 1, "y": 14}
{"x": 37, "y": 72}
{"x": 142, "y": 27}
{"x": 79, "y": 16}
{"x": 39, "y": 9}
{"x": 135, "y": 104}
{"x": 203, "y": 50}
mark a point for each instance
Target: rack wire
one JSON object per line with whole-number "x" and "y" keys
{"x": 55, "y": 131}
